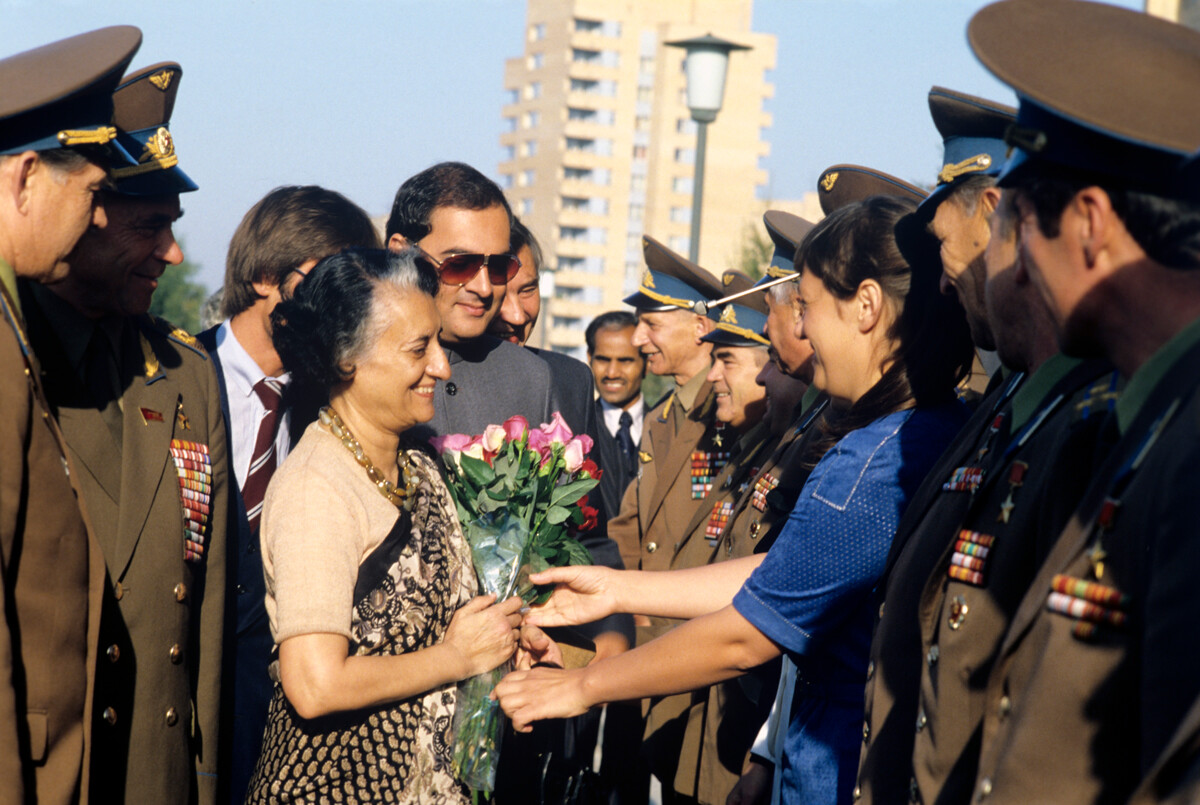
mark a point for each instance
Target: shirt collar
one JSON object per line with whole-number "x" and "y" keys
{"x": 9, "y": 278}
{"x": 240, "y": 369}
{"x": 687, "y": 393}
{"x": 1034, "y": 390}
{"x": 1151, "y": 373}
{"x": 612, "y": 415}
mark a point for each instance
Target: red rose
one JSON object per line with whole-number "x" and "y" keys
{"x": 591, "y": 469}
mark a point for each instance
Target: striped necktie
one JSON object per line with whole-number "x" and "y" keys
{"x": 262, "y": 463}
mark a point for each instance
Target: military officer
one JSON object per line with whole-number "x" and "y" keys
{"x": 719, "y": 722}
{"x": 683, "y": 447}
{"x": 1098, "y": 666}
{"x": 54, "y": 119}
{"x": 140, "y": 408}
{"x": 974, "y": 149}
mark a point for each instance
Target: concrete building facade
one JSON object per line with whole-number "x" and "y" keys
{"x": 600, "y": 146}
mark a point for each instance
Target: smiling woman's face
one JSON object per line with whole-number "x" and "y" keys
{"x": 394, "y": 381}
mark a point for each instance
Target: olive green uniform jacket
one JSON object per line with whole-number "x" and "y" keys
{"x": 158, "y": 676}
{"x": 51, "y": 580}
{"x": 1101, "y": 662}
{"x": 1175, "y": 778}
{"x": 989, "y": 560}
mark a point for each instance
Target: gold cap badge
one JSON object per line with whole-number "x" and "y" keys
{"x": 163, "y": 80}
{"x": 728, "y": 316}
{"x": 647, "y": 279}
{"x": 828, "y": 181}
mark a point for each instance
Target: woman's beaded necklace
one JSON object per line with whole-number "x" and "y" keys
{"x": 400, "y": 498}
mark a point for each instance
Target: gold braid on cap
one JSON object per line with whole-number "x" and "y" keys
{"x": 101, "y": 135}
{"x": 950, "y": 172}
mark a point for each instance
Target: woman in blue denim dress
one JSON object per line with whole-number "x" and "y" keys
{"x": 888, "y": 349}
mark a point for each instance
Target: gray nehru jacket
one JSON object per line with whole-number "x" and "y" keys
{"x": 490, "y": 380}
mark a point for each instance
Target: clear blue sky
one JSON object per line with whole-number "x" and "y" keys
{"x": 357, "y": 95}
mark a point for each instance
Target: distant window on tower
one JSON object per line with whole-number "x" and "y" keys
{"x": 525, "y": 179}
{"x": 534, "y": 90}
{"x": 682, "y": 184}
{"x": 537, "y": 32}
{"x": 536, "y": 60}
{"x": 526, "y": 206}
{"x": 681, "y": 215}
{"x": 685, "y": 156}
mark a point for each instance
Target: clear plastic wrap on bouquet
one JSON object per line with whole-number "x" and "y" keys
{"x": 499, "y": 547}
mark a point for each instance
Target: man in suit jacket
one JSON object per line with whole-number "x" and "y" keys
{"x": 278, "y": 241}
{"x": 139, "y": 406}
{"x": 51, "y": 568}
{"x": 617, "y": 369}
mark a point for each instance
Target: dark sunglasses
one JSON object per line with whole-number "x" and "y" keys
{"x": 459, "y": 269}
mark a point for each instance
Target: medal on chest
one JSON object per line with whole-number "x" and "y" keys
{"x": 194, "y": 468}
{"x": 969, "y": 560}
{"x": 707, "y": 465}
{"x": 717, "y": 521}
{"x": 762, "y": 488}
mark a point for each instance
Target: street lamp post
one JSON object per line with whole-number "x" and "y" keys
{"x": 705, "y": 68}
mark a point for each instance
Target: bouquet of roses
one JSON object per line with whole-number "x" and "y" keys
{"x": 521, "y": 495}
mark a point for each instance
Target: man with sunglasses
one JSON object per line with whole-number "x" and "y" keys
{"x": 278, "y": 241}
{"x": 461, "y": 221}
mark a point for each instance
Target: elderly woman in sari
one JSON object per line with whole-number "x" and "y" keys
{"x": 371, "y": 593}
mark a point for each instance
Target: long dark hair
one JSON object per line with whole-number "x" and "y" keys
{"x": 859, "y": 242}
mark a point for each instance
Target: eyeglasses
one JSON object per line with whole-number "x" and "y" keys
{"x": 459, "y": 269}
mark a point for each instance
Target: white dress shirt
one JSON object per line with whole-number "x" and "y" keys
{"x": 245, "y": 408}
{"x": 612, "y": 417}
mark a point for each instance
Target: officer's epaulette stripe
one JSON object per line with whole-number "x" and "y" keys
{"x": 176, "y": 334}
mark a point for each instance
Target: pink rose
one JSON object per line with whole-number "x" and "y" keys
{"x": 539, "y": 443}
{"x": 474, "y": 449}
{"x": 573, "y": 455}
{"x": 493, "y": 438}
{"x": 451, "y": 441}
{"x": 515, "y": 427}
{"x": 556, "y": 429}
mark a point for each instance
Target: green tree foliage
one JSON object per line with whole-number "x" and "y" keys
{"x": 179, "y": 296}
{"x": 756, "y": 251}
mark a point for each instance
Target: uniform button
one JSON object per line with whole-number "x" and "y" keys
{"x": 754, "y": 528}
{"x": 866, "y": 732}
{"x": 921, "y": 721}
{"x": 651, "y": 547}
{"x": 113, "y": 652}
{"x": 118, "y": 591}
{"x": 934, "y": 653}
{"x": 172, "y": 717}
{"x": 1005, "y": 706}
{"x": 110, "y": 715}
{"x": 857, "y": 793}
{"x": 181, "y": 592}
{"x": 985, "y": 789}
{"x": 913, "y": 793}
{"x": 958, "y": 612}
{"x": 870, "y": 669}
{"x": 176, "y": 654}
{"x": 451, "y": 389}
{"x": 881, "y": 611}
{"x": 241, "y": 589}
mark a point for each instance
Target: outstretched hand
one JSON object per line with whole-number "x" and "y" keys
{"x": 582, "y": 594}
{"x": 541, "y": 693}
{"x": 536, "y": 647}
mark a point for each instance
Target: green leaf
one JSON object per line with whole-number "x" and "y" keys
{"x": 476, "y": 471}
{"x": 578, "y": 554}
{"x": 556, "y": 514}
{"x": 573, "y": 491}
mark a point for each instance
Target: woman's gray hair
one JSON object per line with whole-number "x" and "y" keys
{"x": 334, "y": 315}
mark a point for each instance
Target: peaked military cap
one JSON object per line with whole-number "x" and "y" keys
{"x": 671, "y": 281}
{"x": 972, "y": 132}
{"x": 739, "y": 323}
{"x": 60, "y": 95}
{"x": 786, "y": 231}
{"x": 1104, "y": 92}
{"x": 841, "y": 185}
{"x": 142, "y": 107}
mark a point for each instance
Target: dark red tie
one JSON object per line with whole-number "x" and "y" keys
{"x": 262, "y": 463}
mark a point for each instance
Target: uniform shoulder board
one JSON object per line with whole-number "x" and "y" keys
{"x": 177, "y": 334}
